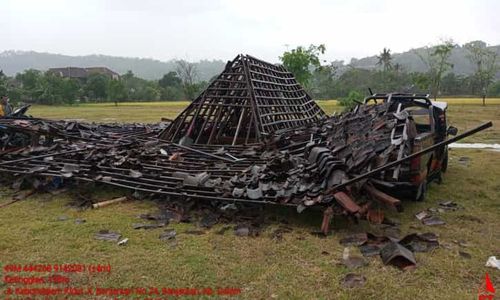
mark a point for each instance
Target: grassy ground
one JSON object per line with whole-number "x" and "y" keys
{"x": 464, "y": 113}
{"x": 296, "y": 267}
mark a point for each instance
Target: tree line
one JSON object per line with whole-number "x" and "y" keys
{"x": 322, "y": 80}
{"x": 329, "y": 81}
{"x": 37, "y": 87}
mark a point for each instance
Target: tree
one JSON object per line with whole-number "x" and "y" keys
{"x": 51, "y": 87}
{"x": 494, "y": 89}
{"x": 353, "y": 99}
{"x": 171, "y": 93}
{"x": 69, "y": 90}
{"x": 436, "y": 59}
{"x": 116, "y": 91}
{"x": 300, "y": 61}
{"x": 188, "y": 74}
{"x": 3, "y": 84}
{"x": 323, "y": 82}
{"x": 485, "y": 62}
{"x": 171, "y": 86}
{"x": 30, "y": 83}
{"x": 96, "y": 87}
{"x": 127, "y": 76}
{"x": 151, "y": 93}
{"x": 453, "y": 84}
{"x": 384, "y": 59}
{"x": 170, "y": 80}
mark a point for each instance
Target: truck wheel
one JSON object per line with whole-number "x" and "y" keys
{"x": 444, "y": 164}
{"x": 421, "y": 191}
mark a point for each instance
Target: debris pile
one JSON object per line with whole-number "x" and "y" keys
{"x": 20, "y": 133}
{"x": 254, "y": 136}
{"x": 304, "y": 167}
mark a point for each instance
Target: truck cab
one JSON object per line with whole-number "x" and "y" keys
{"x": 425, "y": 127}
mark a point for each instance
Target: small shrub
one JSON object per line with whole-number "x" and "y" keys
{"x": 351, "y": 100}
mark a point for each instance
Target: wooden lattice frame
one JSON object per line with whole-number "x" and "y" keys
{"x": 250, "y": 99}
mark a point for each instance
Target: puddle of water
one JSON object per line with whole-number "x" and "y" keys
{"x": 495, "y": 147}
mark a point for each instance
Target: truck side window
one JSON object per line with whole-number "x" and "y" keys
{"x": 422, "y": 118}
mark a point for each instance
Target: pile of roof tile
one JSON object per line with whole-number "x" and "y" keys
{"x": 294, "y": 168}
{"x": 253, "y": 136}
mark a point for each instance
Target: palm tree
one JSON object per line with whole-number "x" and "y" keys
{"x": 384, "y": 59}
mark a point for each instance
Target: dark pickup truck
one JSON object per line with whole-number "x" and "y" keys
{"x": 427, "y": 127}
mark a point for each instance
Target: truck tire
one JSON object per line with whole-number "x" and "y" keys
{"x": 444, "y": 164}
{"x": 421, "y": 191}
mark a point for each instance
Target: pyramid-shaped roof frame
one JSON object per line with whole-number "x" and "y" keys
{"x": 249, "y": 100}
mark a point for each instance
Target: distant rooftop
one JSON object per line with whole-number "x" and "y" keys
{"x": 77, "y": 72}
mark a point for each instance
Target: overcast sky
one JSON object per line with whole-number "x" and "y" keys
{"x": 220, "y": 29}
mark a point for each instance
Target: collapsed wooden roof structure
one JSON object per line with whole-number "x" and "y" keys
{"x": 250, "y": 100}
{"x": 256, "y": 137}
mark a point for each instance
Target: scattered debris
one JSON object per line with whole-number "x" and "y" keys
{"x": 369, "y": 250}
{"x": 194, "y": 232}
{"x": 433, "y": 221}
{"x": 352, "y": 280}
{"x": 462, "y": 243}
{"x": 277, "y": 234}
{"x": 422, "y": 215}
{"x": 352, "y": 261}
{"x": 62, "y": 218}
{"x": 375, "y": 216}
{"x": 168, "y": 234}
{"x": 208, "y": 220}
{"x": 355, "y": 239}
{"x": 395, "y": 254}
{"x": 420, "y": 242}
{"x": 464, "y": 254}
{"x": 123, "y": 242}
{"x": 108, "y": 202}
{"x": 79, "y": 221}
{"x": 493, "y": 262}
{"x": 393, "y": 232}
{"x": 242, "y": 230}
{"x": 148, "y": 225}
{"x": 106, "y": 235}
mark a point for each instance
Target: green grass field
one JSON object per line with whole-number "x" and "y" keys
{"x": 464, "y": 113}
{"x": 151, "y": 112}
{"x": 301, "y": 266}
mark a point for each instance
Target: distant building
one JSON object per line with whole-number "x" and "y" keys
{"x": 83, "y": 73}
{"x": 70, "y": 72}
{"x": 104, "y": 71}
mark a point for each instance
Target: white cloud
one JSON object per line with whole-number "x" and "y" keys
{"x": 221, "y": 29}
